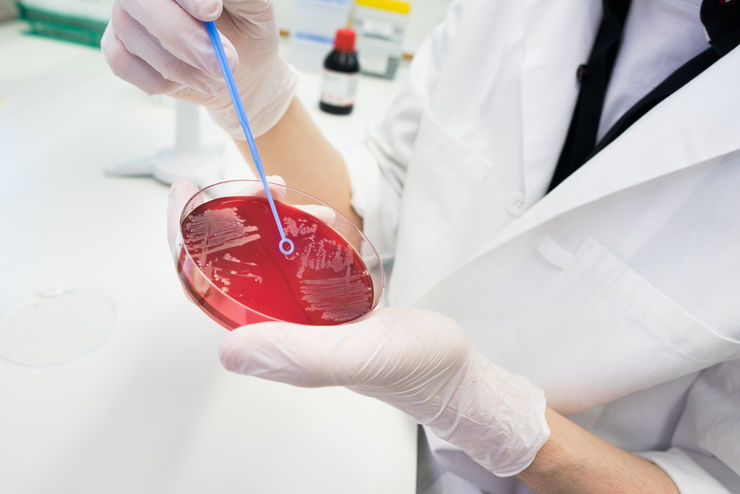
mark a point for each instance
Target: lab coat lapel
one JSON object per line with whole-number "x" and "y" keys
{"x": 548, "y": 93}
{"x": 694, "y": 125}
{"x": 558, "y": 37}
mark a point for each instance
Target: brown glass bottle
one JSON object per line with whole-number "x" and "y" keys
{"x": 341, "y": 71}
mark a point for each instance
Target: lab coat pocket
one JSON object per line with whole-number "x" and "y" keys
{"x": 612, "y": 332}
{"x": 444, "y": 178}
{"x": 444, "y": 172}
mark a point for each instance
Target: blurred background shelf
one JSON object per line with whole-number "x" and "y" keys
{"x": 83, "y": 20}
{"x": 63, "y": 27}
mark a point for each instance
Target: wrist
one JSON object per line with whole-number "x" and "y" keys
{"x": 576, "y": 461}
{"x": 265, "y": 99}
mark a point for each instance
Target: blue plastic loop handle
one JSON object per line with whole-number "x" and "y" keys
{"x": 286, "y": 245}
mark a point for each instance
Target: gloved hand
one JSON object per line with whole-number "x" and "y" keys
{"x": 162, "y": 47}
{"x": 417, "y": 361}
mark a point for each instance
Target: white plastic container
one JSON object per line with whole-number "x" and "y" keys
{"x": 380, "y": 27}
{"x": 312, "y": 36}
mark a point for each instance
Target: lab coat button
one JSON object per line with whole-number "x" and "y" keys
{"x": 516, "y": 205}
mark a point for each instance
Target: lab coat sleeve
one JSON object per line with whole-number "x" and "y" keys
{"x": 377, "y": 167}
{"x": 705, "y": 456}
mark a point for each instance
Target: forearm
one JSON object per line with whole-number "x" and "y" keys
{"x": 575, "y": 461}
{"x": 296, "y": 150}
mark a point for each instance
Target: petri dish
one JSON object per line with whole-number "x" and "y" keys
{"x": 229, "y": 262}
{"x": 56, "y": 326}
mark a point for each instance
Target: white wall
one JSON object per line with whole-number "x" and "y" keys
{"x": 425, "y": 15}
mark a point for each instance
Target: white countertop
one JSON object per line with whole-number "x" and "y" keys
{"x": 152, "y": 410}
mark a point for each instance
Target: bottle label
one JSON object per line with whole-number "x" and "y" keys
{"x": 338, "y": 88}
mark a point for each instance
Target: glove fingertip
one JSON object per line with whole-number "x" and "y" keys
{"x": 182, "y": 184}
{"x": 180, "y": 193}
{"x": 228, "y": 354}
{"x": 207, "y": 11}
{"x": 214, "y": 10}
{"x": 278, "y": 192}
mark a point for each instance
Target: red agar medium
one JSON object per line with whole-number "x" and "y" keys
{"x": 232, "y": 268}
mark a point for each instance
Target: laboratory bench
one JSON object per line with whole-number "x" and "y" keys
{"x": 151, "y": 410}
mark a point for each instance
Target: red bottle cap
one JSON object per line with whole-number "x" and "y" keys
{"x": 344, "y": 40}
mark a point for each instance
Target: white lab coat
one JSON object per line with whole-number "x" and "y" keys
{"x": 619, "y": 292}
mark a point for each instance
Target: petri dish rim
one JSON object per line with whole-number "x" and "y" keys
{"x": 181, "y": 245}
{"x": 26, "y": 301}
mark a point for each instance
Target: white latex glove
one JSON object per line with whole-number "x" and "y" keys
{"x": 417, "y": 361}
{"x": 162, "y": 47}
